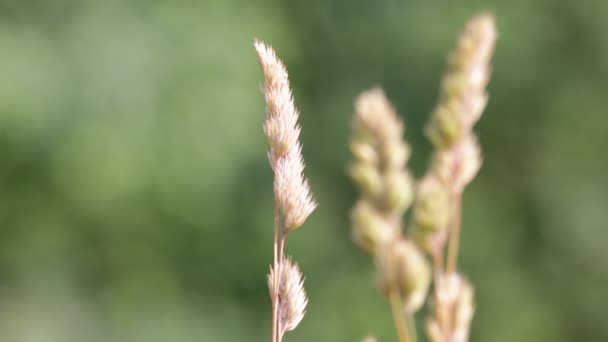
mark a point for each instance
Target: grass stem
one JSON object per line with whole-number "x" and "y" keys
{"x": 275, "y": 264}
{"x": 398, "y": 316}
{"x": 454, "y": 237}
{"x": 412, "y": 327}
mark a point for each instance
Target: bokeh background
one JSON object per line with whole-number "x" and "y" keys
{"x": 136, "y": 198}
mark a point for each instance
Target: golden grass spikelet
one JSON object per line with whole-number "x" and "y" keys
{"x": 458, "y": 166}
{"x": 386, "y": 191}
{"x": 431, "y": 214}
{"x": 455, "y": 309}
{"x": 281, "y": 128}
{"x": 463, "y": 312}
{"x": 380, "y": 154}
{"x": 403, "y": 267}
{"x": 292, "y": 298}
{"x": 368, "y": 178}
{"x": 377, "y": 123}
{"x": 463, "y": 90}
{"x": 431, "y": 209}
{"x": 456, "y": 161}
{"x": 370, "y": 229}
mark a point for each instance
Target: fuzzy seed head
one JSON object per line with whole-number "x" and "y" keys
{"x": 371, "y": 231}
{"x": 376, "y": 122}
{"x": 380, "y": 155}
{"x": 398, "y": 191}
{"x": 292, "y": 298}
{"x": 292, "y": 190}
{"x": 459, "y": 165}
{"x": 455, "y": 306}
{"x": 463, "y": 312}
{"x": 431, "y": 209}
{"x": 433, "y": 331}
{"x": 364, "y": 152}
{"x": 463, "y": 96}
{"x": 367, "y": 177}
{"x": 281, "y": 128}
{"x": 403, "y": 267}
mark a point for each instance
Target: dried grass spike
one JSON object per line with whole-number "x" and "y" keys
{"x": 281, "y": 126}
{"x": 292, "y": 297}
{"x": 292, "y": 190}
{"x": 463, "y": 94}
{"x": 377, "y": 121}
{"x": 282, "y": 131}
{"x": 463, "y": 312}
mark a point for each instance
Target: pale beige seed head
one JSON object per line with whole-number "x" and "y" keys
{"x": 292, "y": 298}
{"x": 398, "y": 191}
{"x": 431, "y": 208}
{"x": 292, "y": 190}
{"x": 380, "y": 154}
{"x": 282, "y": 130}
{"x": 364, "y": 152}
{"x": 444, "y": 127}
{"x": 463, "y": 94}
{"x": 375, "y": 114}
{"x": 476, "y": 47}
{"x": 281, "y": 126}
{"x": 403, "y": 267}
{"x": 459, "y": 165}
{"x": 371, "y": 231}
{"x": 369, "y": 339}
{"x": 433, "y": 331}
{"x": 431, "y": 242}
{"x": 396, "y": 154}
{"x": 376, "y": 122}
{"x": 463, "y": 312}
{"x": 367, "y": 177}
{"x": 455, "y": 303}
{"x": 431, "y": 214}
{"x": 478, "y": 40}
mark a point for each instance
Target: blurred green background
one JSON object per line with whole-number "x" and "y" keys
{"x": 136, "y": 198}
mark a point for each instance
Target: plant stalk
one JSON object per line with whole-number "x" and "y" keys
{"x": 280, "y": 268}
{"x": 398, "y": 316}
{"x": 275, "y": 264}
{"x": 454, "y": 237}
{"x": 412, "y": 326}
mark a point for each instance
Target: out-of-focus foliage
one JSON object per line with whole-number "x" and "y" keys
{"x": 136, "y": 198}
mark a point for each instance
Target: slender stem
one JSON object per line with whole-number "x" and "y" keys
{"x": 398, "y": 317}
{"x": 438, "y": 260}
{"x": 281, "y": 258}
{"x": 454, "y": 237}
{"x": 282, "y": 246}
{"x": 412, "y": 326}
{"x": 437, "y": 256}
{"x": 276, "y": 232}
{"x": 275, "y": 269}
